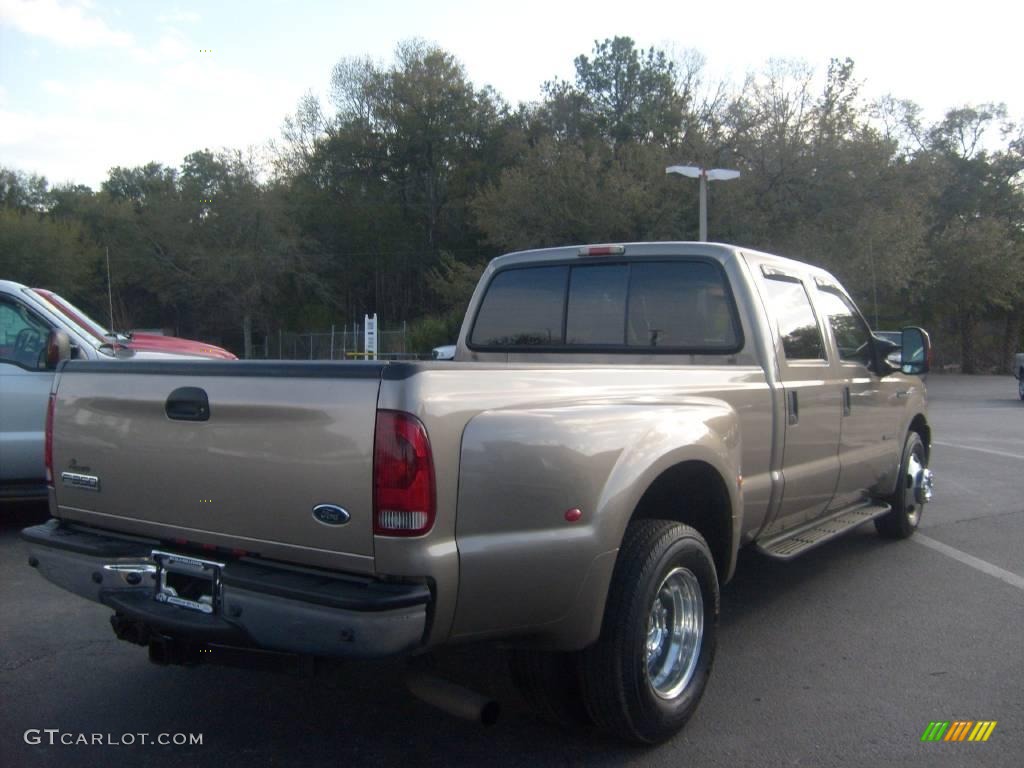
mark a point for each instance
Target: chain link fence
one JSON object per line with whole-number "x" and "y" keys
{"x": 338, "y": 343}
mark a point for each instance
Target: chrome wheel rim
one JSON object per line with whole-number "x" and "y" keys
{"x": 917, "y": 488}
{"x": 675, "y": 631}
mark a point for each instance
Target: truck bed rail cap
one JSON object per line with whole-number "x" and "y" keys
{"x": 248, "y": 368}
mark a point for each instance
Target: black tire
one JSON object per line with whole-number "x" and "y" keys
{"x": 550, "y": 684}
{"x": 902, "y": 521}
{"x": 617, "y": 690}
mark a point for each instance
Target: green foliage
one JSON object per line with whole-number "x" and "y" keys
{"x": 38, "y": 251}
{"x": 620, "y": 94}
{"x": 23, "y": 192}
{"x": 433, "y": 331}
{"x": 452, "y": 282}
{"x": 392, "y": 198}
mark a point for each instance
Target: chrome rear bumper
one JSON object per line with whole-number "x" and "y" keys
{"x": 248, "y": 602}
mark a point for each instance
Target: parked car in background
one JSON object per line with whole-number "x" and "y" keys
{"x": 1018, "y": 371}
{"x": 133, "y": 340}
{"x": 37, "y": 328}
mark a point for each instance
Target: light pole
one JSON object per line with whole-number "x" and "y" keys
{"x": 705, "y": 175}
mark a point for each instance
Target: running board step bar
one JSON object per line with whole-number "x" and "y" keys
{"x": 793, "y": 543}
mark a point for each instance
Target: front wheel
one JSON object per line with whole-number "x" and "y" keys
{"x": 913, "y": 491}
{"x": 643, "y": 678}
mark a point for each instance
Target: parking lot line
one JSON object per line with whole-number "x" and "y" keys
{"x": 980, "y": 450}
{"x": 977, "y": 563}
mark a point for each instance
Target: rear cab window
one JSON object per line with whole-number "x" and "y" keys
{"x": 523, "y": 307}
{"x": 679, "y": 305}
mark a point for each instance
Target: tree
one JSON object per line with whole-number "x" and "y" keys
{"x": 240, "y": 242}
{"x": 623, "y": 94}
{"x": 41, "y": 252}
{"x": 24, "y": 192}
{"x": 976, "y": 215}
{"x": 383, "y": 189}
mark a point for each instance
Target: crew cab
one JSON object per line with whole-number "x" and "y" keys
{"x": 618, "y": 422}
{"x": 34, "y": 325}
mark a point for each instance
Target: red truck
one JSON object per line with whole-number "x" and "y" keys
{"x": 152, "y": 342}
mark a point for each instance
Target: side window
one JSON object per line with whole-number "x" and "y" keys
{"x": 680, "y": 304}
{"x": 791, "y": 307}
{"x": 523, "y": 307}
{"x": 22, "y": 335}
{"x": 851, "y": 333}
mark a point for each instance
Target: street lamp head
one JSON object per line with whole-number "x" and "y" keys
{"x": 705, "y": 175}
{"x": 686, "y": 170}
{"x": 722, "y": 174}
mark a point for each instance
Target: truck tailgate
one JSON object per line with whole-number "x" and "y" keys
{"x": 276, "y": 440}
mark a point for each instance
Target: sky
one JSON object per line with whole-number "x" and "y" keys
{"x": 86, "y": 85}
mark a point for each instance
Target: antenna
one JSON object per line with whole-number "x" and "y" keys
{"x": 110, "y": 298}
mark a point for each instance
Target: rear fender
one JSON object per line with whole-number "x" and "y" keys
{"x": 522, "y": 470}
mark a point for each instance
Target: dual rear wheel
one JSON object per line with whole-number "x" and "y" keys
{"x": 645, "y": 675}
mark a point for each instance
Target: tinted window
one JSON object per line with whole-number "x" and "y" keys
{"x": 23, "y": 336}
{"x": 851, "y": 333}
{"x": 668, "y": 305}
{"x": 523, "y": 307}
{"x": 680, "y": 304}
{"x": 801, "y": 337}
{"x": 597, "y": 304}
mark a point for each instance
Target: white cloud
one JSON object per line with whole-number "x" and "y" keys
{"x": 67, "y": 25}
{"x": 155, "y": 113}
{"x": 19, "y": 128}
{"x": 170, "y": 47}
{"x": 177, "y": 16}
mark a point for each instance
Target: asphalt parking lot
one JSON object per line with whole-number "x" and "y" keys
{"x": 841, "y": 657}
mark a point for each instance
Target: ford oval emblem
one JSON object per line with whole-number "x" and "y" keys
{"x": 331, "y": 514}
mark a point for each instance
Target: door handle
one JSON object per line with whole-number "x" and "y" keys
{"x": 847, "y": 401}
{"x": 794, "y": 407}
{"x": 901, "y": 393}
{"x": 188, "y": 404}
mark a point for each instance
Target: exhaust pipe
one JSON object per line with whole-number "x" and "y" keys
{"x": 454, "y": 699}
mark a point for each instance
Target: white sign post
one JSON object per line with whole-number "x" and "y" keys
{"x": 370, "y": 335}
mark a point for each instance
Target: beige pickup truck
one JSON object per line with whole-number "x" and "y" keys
{"x": 618, "y": 421}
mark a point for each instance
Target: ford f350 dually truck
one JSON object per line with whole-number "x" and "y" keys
{"x": 618, "y": 421}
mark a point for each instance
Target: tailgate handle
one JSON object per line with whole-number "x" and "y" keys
{"x": 188, "y": 404}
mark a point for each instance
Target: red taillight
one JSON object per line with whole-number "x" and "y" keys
{"x": 403, "y": 476}
{"x": 48, "y": 445}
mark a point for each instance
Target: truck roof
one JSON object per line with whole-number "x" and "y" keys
{"x": 718, "y": 251}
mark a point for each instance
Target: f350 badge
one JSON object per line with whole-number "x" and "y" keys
{"x": 78, "y": 480}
